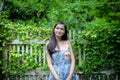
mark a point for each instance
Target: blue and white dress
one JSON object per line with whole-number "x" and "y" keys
{"x": 61, "y": 65}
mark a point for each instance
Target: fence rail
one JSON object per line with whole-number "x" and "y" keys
{"x": 23, "y": 47}
{"x": 43, "y": 75}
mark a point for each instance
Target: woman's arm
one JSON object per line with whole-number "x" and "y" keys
{"x": 49, "y": 61}
{"x": 72, "y": 62}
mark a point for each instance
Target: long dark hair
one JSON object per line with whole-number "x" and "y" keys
{"x": 53, "y": 41}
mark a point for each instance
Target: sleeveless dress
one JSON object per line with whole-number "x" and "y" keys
{"x": 61, "y": 65}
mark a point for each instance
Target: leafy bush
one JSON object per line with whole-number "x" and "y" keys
{"x": 17, "y": 63}
{"x": 100, "y": 41}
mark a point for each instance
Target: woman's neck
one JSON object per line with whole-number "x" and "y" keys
{"x": 59, "y": 39}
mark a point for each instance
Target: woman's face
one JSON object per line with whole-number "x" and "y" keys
{"x": 59, "y": 30}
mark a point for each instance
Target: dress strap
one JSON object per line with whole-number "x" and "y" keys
{"x": 68, "y": 47}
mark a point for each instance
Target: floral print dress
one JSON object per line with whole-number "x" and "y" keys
{"x": 61, "y": 65}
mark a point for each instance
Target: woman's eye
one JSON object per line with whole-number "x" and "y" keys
{"x": 62, "y": 29}
{"x": 57, "y": 28}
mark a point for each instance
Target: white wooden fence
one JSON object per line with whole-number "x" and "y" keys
{"x": 22, "y": 47}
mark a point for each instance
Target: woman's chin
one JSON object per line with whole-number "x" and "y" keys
{"x": 59, "y": 36}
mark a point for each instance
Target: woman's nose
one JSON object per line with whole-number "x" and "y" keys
{"x": 59, "y": 30}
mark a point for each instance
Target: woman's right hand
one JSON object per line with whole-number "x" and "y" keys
{"x": 67, "y": 55}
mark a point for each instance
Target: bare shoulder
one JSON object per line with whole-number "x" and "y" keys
{"x": 68, "y": 44}
{"x": 47, "y": 42}
{"x": 68, "y": 41}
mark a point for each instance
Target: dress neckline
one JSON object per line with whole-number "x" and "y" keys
{"x": 62, "y": 50}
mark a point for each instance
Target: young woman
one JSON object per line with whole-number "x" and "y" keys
{"x": 60, "y": 57}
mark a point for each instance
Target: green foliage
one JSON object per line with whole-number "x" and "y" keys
{"x": 100, "y": 37}
{"x": 20, "y": 63}
{"x": 46, "y": 13}
{"x": 17, "y": 63}
{"x": 75, "y": 13}
{"x": 30, "y": 12}
{"x": 100, "y": 41}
